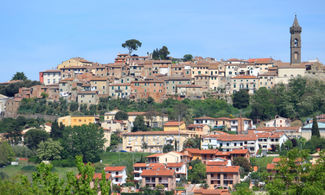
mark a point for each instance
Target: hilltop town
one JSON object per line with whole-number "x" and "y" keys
{"x": 181, "y": 126}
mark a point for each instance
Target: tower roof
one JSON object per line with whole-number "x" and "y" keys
{"x": 295, "y": 22}
{"x": 295, "y": 28}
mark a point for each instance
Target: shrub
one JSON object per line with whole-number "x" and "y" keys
{"x": 28, "y": 168}
{"x": 64, "y": 163}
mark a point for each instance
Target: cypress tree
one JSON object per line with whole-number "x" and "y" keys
{"x": 314, "y": 129}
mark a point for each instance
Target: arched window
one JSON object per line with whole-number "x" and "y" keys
{"x": 296, "y": 43}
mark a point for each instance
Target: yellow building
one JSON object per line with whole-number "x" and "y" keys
{"x": 174, "y": 126}
{"x": 76, "y": 120}
{"x": 74, "y": 62}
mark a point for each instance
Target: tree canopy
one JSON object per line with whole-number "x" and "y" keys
{"x": 315, "y": 129}
{"x": 19, "y": 76}
{"x": 121, "y": 115}
{"x": 139, "y": 125}
{"x": 240, "y": 99}
{"x": 132, "y": 45}
{"x": 49, "y": 150}
{"x": 34, "y": 136}
{"x": 6, "y": 153}
{"x": 85, "y": 140}
{"x": 198, "y": 172}
{"x": 160, "y": 54}
{"x": 187, "y": 57}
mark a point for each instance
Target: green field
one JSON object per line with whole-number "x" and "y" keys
{"x": 109, "y": 158}
{"x": 262, "y": 162}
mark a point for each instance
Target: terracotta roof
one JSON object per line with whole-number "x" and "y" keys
{"x": 136, "y": 113}
{"x": 230, "y": 137}
{"x": 260, "y": 60}
{"x": 156, "y": 133}
{"x": 196, "y": 125}
{"x": 158, "y": 172}
{"x": 188, "y": 86}
{"x": 173, "y": 123}
{"x": 222, "y": 169}
{"x": 239, "y": 151}
{"x": 139, "y": 165}
{"x": 99, "y": 79}
{"x": 221, "y": 153}
{"x": 87, "y": 92}
{"x": 276, "y": 160}
{"x": 174, "y": 164}
{"x": 193, "y": 150}
{"x": 216, "y": 163}
{"x": 212, "y": 191}
{"x": 244, "y": 77}
{"x": 117, "y": 168}
{"x": 270, "y": 166}
{"x": 154, "y": 155}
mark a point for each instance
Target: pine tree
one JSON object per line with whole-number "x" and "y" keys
{"x": 314, "y": 129}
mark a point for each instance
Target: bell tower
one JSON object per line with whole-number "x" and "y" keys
{"x": 295, "y": 42}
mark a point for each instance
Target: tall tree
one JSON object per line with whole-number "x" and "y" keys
{"x": 132, "y": 45}
{"x": 139, "y": 125}
{"x": 121, "y": 115}
{"x": 34, "y": 136}
{"x": 198, "y": 172}
{"x": 314, "y": 128}
{"x": 85, "y": 140}
{"x": 57, "y": 130}
{"x": 49, "y": 150}
{"x": 6, "y": 153}
{"x": 187, "y": 57}
{"x": 240, "y": 99}
{"x": 168, "y": 148}
{"x": 19, "y": 76}
{"x": 163, "y": 53}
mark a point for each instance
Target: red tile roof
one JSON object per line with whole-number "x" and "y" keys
{"x": 276, "y": 160}
{"x": 156, "y": 133}
{"x": 239, "y": 151}
{"x": 174, "y": 164}
{"x": 154, "y": 155}
{"x": 270, "y": 166}
{"x": 117, "y": 168}
{"x": 212, "y": 191}
{"x": 158, "y": 172}
{"x": 260, "y": 60}
{"x": 216, "y": 163}
{"x": 244, "y": 77}
{"x": 222, "y": 169}
{"x": 139, "y": 165}
{"x": 230, "y": 137}
{"x": 98, "y": 176}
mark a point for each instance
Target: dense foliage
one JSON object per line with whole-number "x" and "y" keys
{"x": 198, "y": 172}
{"x": 6, "y": 153}
{"x": 35, "y": 136}
{"x": 240, "y": 99}
{"x": 132, "y": 45}
{"x": 13, "y": 88}
{"x": 85, "y": 140}
{"x": 45, "y": 181}
{"x": 301, "y": 98}
{"x": 160, "y": 54}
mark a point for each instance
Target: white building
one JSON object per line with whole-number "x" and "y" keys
{"x": 180, "y": 170}
{"x": 50, "y": 77}
{"x": 231, "y": 142}
{"x": 278, "y": 121}
{"x": 3, "y": 100}
{"x": 118, "y": 174}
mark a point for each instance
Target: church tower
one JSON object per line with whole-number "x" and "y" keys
{"x": 295, "y": 42}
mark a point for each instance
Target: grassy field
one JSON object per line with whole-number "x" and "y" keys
{"x": 262, "y": 162}
{"x": 109, "y": 158}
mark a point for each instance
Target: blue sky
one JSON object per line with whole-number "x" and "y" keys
{"x": 38, "y": 35}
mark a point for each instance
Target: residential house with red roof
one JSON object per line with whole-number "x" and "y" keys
{"x": 223, "y": 176}
{"x": 231, "y": 142}
{"x": 118, "y": 174}
{"x": 161, "y": 176}
{"x": 50, "y": 77}
{"x": 174, "y": 126}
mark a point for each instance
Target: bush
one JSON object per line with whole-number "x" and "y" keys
{"x": 34, "y": 159}
{"x": 28, "y": 168}
{"x": 99, "y": 167}
{"x": 64, "y": 163}
{"x": 22, "y": 151}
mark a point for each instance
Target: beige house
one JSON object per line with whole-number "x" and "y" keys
{"x": 119, "y": 90}
{"x": 285, "y": 73}
{"x": 278, "y": 121}
{"x": 223, "y": 176}
{"x": 153, "y": 141}
{"x": 74, "y": 62}
{"x": 153, "y": 177}
{"x": 3, "y": 100}
{"x": 172, "y": 82}
{"x": 88, "y": 97}
{"x": 110, "y": 115}
{"x": 50, "y": 77}
{"x": 247, "y": 82}
{"x": 152, "y": 119}
{"x": 190, "y": 91}
{"x": 267, "y": 79}
{"x": 76, "y": 120}
{"x": 99, "y": 84}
